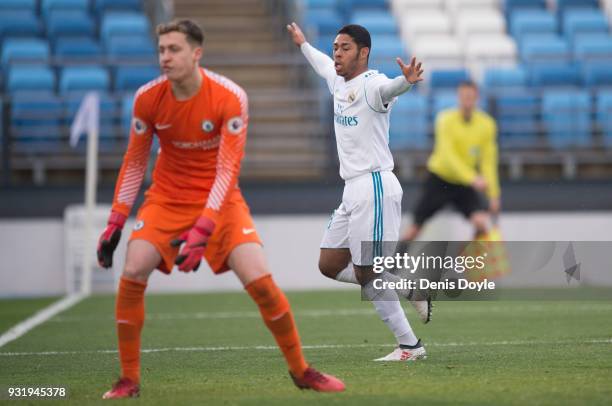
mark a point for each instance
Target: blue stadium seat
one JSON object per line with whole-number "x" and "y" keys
{"x": 47, "y": 6}
{"x": 567, "y": 117}
{"x": 376, "y": 22}
{"x": 544, "y": 49}
{"x": 116, "y": 23}
{"x": 525, "y": 22}
{"x": 409, "y": 122}
{"x": 604, "y": 115}
{"x": 510, "y": 5}
{"x": 62, "y": 23}
{"x": 82, "y": 48}
{"x": 324, "y": 21}
{"x": 30, "y": 77}
{"x": 102, "y": 6}
{"x": 84, "y": 78}
{"x": 36, "y": 118}
{"x": 325, "y": 43}
{"x": 566, "y": 5}
{"x": 24, "y": 50}
{"x": 320, "y": 3}
{"x": 597, "y": 74}
{"x": 20, "y": 24}
{"x": 503, "y": 78}
{"x": 544, "y": 75}
{"x": 18, "y": 5}
{"x": 121, "y": 47}
{"x": 108, "y": 112}
{"x": 387, "y": 46}
{"x": 588, "y": 48}
{"x": 584, "y": 21}
{"x": 447, "y": 78}
{"x": 130, "y": 78}
{"x": 442, "y": 100}
{"x": 516, "y": 113}
{"x": 363, "y": 4}
{"x": 387, "y": 66}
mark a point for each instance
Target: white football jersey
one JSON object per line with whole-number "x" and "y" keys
{"x": 361, "y": 124}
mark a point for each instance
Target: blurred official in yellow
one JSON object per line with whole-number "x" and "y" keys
{"x": 463, "y": 166}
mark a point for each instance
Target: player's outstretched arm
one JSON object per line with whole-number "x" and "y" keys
{"x": 413, "y": 71}
{"x": 321, "y": 63}
{"x": 411, "y": 75}
{"x": 296, "y": 34}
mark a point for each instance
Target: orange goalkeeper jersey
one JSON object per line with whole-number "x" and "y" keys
{"x": 202, "y": 144}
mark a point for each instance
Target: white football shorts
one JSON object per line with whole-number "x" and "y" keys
{"x": 370, "y": 213}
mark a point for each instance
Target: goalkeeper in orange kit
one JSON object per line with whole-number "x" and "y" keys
{"x": 194, "y": 208}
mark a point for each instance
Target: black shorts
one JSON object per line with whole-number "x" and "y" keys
{"x": 437, "y": 193}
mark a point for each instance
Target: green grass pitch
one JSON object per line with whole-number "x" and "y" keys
{"x": 214, "y": 349}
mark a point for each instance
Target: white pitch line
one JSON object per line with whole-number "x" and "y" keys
{"x": 307, "y": 347}
{"x": 603, "y": 307}
{"x": 225, "y": 315}
{"x": 40, "y": 317}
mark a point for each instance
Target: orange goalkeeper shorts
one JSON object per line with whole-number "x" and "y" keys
{"x": 159, "y": 221}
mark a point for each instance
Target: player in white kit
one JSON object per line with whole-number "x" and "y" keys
{"x": 370, "y": 210}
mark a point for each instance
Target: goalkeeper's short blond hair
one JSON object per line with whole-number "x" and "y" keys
{"x": 190, "y": 28}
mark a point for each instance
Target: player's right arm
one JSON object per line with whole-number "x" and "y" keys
{"x": 130, "y": 177}
{"x": 321, "y": 63}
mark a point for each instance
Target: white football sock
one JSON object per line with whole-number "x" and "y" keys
{"x": 347, "y": 275}
{"x": 387, "y": 305}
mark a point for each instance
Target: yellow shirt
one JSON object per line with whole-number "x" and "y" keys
{"x": 464, "y": 149}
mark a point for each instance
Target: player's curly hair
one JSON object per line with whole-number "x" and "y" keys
{"x": 190, "y": 28}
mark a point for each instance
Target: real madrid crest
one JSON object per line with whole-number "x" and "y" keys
{"x": 207, "y": 126}
{"x": 351, "y": 97}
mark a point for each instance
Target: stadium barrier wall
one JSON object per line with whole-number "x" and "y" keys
{"x": 33, "y": 262}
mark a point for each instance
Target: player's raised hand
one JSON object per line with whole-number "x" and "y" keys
{"x": 411, "y": 72}
{"x": 296, "y": 34}
{"x": 195, "y": 240}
